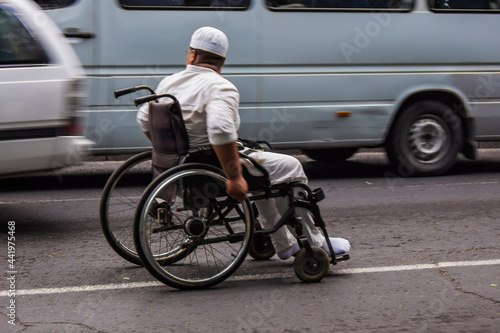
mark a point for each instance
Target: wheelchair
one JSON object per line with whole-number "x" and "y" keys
{"x": 184, "y": 228}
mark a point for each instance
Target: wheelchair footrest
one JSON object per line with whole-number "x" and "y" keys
{"x": 341, "y": 257}
{"x": 317, "y": 195}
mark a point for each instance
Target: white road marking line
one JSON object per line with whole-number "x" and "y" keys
{"x": 418, "y": 266}
{"x": 135, "y": 285}
{"x": 48, "y": 201}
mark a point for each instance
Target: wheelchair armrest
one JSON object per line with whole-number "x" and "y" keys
{"x": 257, "y": 165}
{"x": 317, "y": 195}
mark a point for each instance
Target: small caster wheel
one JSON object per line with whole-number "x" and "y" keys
{"x": 311, "y": 268}
{"x": 261, "y": 247}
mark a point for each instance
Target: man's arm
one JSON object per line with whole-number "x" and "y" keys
{"x": 236, "y": 185}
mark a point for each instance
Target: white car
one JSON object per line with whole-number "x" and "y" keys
{"x": 41, "y": 92}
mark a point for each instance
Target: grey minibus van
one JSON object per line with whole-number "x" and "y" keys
{"x": 420, "y": 78}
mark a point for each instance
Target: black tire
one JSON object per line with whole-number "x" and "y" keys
{"x": 119, "y": 201}
{"x": 207, "y": 235}
{"x": 425, "y": 139}
{"x": 330, "y": 155}
{"x": 311, "y": 269}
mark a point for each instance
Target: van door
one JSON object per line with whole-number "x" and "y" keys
{"x": 77, "y": 20}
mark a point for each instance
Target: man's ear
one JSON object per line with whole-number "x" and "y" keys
{"x": 191, "y": 57}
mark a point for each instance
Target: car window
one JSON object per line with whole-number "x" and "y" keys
{"x": 17, "y": 45}
{"x": 53, "y": 4}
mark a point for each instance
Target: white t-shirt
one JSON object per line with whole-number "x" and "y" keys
{"x": 209, "y": 105}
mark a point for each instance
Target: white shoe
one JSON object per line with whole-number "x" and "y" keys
{"x": 285, "y": 254}
{"x": 339, "y": 245}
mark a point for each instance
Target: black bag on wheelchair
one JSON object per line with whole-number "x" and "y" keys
{"x": 168, "y": 135}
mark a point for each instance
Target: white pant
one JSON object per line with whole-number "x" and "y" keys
{"x": 284, "y": 169}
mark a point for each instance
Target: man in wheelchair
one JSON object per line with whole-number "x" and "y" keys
{"x": 209, "y": 105}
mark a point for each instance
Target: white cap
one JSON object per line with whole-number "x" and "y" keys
{"x": 211, "y": 40}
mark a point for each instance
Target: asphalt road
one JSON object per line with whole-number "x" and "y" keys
{"x": 425, "y": 258}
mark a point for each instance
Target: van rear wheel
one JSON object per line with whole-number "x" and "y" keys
{"x": 425, "y": 139}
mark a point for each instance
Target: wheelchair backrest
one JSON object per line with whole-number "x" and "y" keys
{"x": 168, "y": 134}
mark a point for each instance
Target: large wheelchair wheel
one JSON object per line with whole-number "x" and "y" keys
{"x": 201, "y": 237}
{"x": 119, "y": 201}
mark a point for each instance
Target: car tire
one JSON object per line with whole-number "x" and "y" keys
{"x": 425, "y": 139}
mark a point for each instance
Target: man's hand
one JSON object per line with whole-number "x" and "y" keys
{"x": 237, "y": 188}
{"x": 236, "y": 185}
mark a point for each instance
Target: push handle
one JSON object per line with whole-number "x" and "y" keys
{"x": 144, "y": 99}
{"x": 129, "y": 90}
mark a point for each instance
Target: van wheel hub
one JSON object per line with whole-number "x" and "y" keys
{"x": 426, "y": 139}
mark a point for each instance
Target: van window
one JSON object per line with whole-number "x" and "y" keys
{"x": 17, "y": 46}
{"x": 341, "y": 4}
{"x": 464, "y": 4}
{"x": 54, "y": 4}
{"x": 185, "y": 4}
